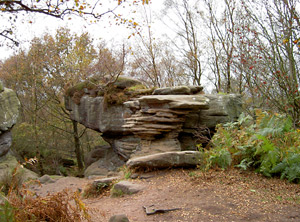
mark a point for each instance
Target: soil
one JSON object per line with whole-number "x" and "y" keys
{"x": 231, "y": 195}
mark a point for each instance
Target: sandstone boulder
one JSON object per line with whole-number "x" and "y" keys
{"x": 166, "y": 160}
{"x": 96, "y": 154}
{"x": 9, "y": 109}
{"x": 126, "y": 187}
{"x": 8, "y": 163}
{"x": 104, "y": 181}
{"x": 159, "y": 123}
{"x": 107, "y": 161}
{"x": 95, "y": 114}
{"x": 45, "y": 179}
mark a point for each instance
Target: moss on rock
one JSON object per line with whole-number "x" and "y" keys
{"x": 115, "y": 93}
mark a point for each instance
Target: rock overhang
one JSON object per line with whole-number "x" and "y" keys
{"x": 157, "y": 123}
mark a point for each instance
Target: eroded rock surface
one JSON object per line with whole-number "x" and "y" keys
{"x": 158, "y": 123}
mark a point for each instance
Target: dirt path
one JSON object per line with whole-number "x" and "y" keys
{"x": 220, "y": 196}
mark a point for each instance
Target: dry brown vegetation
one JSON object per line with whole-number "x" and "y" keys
{"x": 20, "y": 204}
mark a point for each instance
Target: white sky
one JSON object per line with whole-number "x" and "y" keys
{"x": 104, "y": 29}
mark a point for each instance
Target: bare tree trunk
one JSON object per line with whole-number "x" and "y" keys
{"x": 78, "y": 151}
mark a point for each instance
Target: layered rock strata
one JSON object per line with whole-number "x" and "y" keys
{"x": 157, "y": 123}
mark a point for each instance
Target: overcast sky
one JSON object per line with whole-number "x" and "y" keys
{"x": 104, "y": 29}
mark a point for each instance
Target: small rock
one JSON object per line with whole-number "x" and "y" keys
{"x": 46, "y": 179}
{"x": 134, "y": 176}
{"x": 127, "y": 187}
{"x": 146, "y": 176}
{"x": 141, "y": 176}
{"x": 106, "y": 181}
{"x": 119, "y": 218}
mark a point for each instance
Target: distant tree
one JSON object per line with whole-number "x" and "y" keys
{"x": 222, "y": 40}
{"x": 273, "y": 58}
{"x": 110, "y": 63}
{"x": 184, "y": 19}
{"x": 40, "y": 76}
{"x": 146, "y": 54}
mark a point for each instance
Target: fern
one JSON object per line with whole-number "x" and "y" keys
{"x": 221, "y": 158}
{"x": 266, "y": 147}
{"x": 275, "y": 125}
{"x": 245, "y": 163}
{"x": 289, "y": 168}
{"x": 268, "y": 155}
{"x": 246, "y": 153}
{"x": 244, "y": 119}
{"x": 269, "y": 161}
{"x": 269, "y": 144}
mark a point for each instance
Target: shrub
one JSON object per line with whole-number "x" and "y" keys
{"x": 56, "y": 207}
{"x": 94, "y": 191}
{"x": 267, "y": 143}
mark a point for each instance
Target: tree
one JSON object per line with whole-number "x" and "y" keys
{"x": 275, "y": 55}
{"x": 222, "y": 38}
{"x": 11, "y": 10}
{"x": 42, "y": 74}
{"x": 184, "y": 16}
{"x": 146, "y": 55}
{"x": 110, "y": 63}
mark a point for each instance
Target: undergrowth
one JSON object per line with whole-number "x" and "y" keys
{"x": 267, "y": 143}
{"x": 93, "y": 190}
{"x": 19, "y": 204}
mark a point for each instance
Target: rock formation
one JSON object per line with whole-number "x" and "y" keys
{"x": 169, "y": 120}
{"x": 9, "y": 111}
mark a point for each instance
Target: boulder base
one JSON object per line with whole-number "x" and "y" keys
{"x": 5, "y": 142}
{"x": 166, "y": 160}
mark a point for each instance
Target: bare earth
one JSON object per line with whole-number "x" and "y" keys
{"x": 216, "y": 196}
